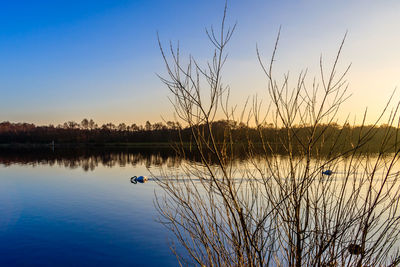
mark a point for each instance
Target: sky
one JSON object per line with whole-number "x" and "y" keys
{"x": 69, "y": 60}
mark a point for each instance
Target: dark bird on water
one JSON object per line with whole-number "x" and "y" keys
{"x": 140, "y": 179}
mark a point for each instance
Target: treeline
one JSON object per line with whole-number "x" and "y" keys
{"x": 330, "y": 137}
{"x": 87, "y": 132}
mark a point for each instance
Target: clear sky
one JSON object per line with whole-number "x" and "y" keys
{"x": 69, "y": 60}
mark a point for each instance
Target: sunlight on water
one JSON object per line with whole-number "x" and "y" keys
{"x": 79, "y": 208}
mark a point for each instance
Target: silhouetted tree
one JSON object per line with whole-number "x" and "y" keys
{"x": 85, "y": 124}
{"x": 148, "y": 127}
{"x": 72, "y": 125}
{"x": 122, "y": 127}
{"x": 92, "y": 125}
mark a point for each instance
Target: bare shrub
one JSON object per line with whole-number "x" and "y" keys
{"x": 277, "y": 208}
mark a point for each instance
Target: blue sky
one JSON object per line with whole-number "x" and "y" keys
{"x": 67, "y": 60}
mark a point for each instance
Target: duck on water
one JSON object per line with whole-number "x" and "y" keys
{"x": 140, "y": 179}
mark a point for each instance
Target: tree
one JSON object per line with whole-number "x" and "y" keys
{"x": 110, "y": 126}
{"x": 85, "y": 124}
{"x": 171, "y": 125}
{"x": 135, "y": 128}
{"x": 122, "y": 127}
{"x": 148, "y": 126}
{"x": 72, "y": 125}
{"x": 92, "y": 125}
{"x": 280, "y": 209}
{"x": 158, "y": 126}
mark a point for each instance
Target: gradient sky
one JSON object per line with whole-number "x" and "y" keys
{"x": 69, "y": 60}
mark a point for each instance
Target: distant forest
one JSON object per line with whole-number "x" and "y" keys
{"x": 88, "y": 132}
{"x": 332, "y": 137}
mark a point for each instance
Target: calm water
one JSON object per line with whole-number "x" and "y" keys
{"x": 77, "y": 207}
{"x": 80, "y": 209}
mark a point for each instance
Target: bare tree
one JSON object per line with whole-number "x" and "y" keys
{"x": 277, "y": 208}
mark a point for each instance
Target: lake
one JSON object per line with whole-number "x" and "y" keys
{"x": 80, "y": 208}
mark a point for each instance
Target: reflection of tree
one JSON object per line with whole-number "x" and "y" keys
{"x": 88, "y": 159}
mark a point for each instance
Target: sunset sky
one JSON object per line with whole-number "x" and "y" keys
{"x": 69, "y": 60}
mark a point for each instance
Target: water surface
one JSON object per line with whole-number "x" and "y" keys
{"x": 80, "y": 209}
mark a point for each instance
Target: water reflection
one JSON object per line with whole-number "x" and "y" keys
{"x": 57, "y": 216}
{"x": 92, "y": 209}
{"x": 89, "y": 158}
